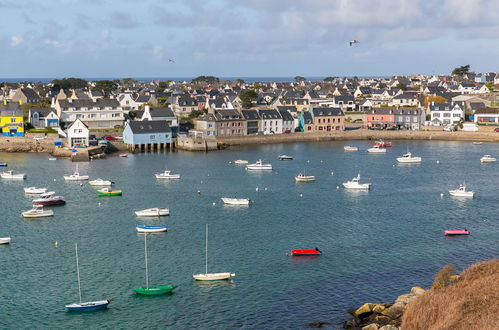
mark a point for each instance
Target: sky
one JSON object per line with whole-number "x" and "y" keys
{"x": 245, "y": 38}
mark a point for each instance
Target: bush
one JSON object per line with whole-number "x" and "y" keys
{"x": 46, "y": 130}
{"x": 444, "y": 277}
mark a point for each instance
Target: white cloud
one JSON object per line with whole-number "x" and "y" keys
{"x": 16, "y": 41}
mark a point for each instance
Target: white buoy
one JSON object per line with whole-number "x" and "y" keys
{"x": 301, "y": 195}
{"x": 81, "y": 184}
{"x": 265, "y": 189}
{"x": 55, "y": 180}
{"x": 393, "y": 165}
{"x": 332, "y": 173}
{"x": 308, "y": 161}
{"x": 201, "y": 181}
{"x": 438, "y": 162}
{"x": 337, "y": 187}
{"x": 256, "y": 189}
{"x": 441, "y": 195}
{"x": 214, "y": 203}
{"x": 99, "y": 203}
{"x": 199, "y": 192}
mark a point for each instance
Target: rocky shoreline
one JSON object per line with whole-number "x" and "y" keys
{"x": 381, "y": 316}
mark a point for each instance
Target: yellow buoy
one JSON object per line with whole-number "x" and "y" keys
{"x": 56, "y": 244}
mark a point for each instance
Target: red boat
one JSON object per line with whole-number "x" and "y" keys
{"x": 307, "y": 252}
{"x": 48, "y": 198}
{"x": 383, "y": 144}
{"x": 123, "y": 155}
{"x": 456, "y": 232}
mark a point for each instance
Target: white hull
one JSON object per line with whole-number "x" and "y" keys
{"x": 376, "y": 150}
{"x": 37, "y": 213}
{"x": 348, "y": 148}
{"x": 409, "y": 160}
{"x": 5, "y": 240}
{"x": 100, "y": 182}
{"x": 34, "y": 190}
{"x": 259, "y": 168}
{"x": 147, "y": 230}
{"x": 173, "y": 176}
{"x": 241, "y": 162}
{"x": 213, "y": 276}
{"x": 235, "y": 201}
{"x": 304, "y": 178}
{"x": 8, "y": 175}
{"x": 89, "y": 305}
{"x": 76, "y": 177}
{"x": 363, "y": 186}
{"x": 285, "y": 157}
{"x": 487, "y": 159}
{"x": 153, "y": 212}
{"x": 457, "y": 193}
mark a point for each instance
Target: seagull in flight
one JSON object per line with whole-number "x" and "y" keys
{"x": 171, "y": 60}
{"x": 353, "y": 42}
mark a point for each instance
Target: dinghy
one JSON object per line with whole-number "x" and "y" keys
{"x": 12, "y": 175}
{"x": 152, "y": 212}
{"x": 34, "y": 190}
{"x": 151, "y": 229}
{"x": 235, "y": 201}
{"x": 37, "y": 212}
{"x": 4, "y": 240}
{"x": 109, "y": 192}
{"x": 306, "y": 252}
{"x": 456, "y": 232}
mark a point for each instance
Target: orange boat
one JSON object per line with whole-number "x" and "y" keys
{"x": 306, "y": 252}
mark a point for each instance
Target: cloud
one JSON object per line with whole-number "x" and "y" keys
{"x": 16, "y": 41}
{"x": 122, "y": 20}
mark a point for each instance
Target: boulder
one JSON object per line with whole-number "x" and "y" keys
{"x": 364, "y": 310}
{"x": 378, "y": 308}
{"x": 382, "y": 320}
{"x": 372, "y": 326}
{"x": 405, "y": 298}
{"x": 417, "y": 290}
{"x": 389, "y": 327}
{"x": 395, "y": 311}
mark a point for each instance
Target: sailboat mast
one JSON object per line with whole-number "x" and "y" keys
{"x": 206, "y": 251}
{"x": 145, "y": 254}
{"x": 78, "y": 271}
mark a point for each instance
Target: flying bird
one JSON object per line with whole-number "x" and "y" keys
{"x": 171, "y": 60}
{"x": 353, "y": 42}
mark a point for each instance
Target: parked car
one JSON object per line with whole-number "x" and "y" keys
{"x": 38, "y": 138}
{"x": 119, "y": 137}
{"x": 287, "y": 131}
{"x": 496, "y": 129}
{"x": 109, "y": 138}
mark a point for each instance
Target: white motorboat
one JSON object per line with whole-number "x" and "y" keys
{"x": 152, "y": 212}
{"x": 4, "y": 240}
{"x": 151, "y": 229}
{"x": 376, "y": 150}
{"x": 167, "y": 174}
{"x": 76, "y": 176}
{"x": 487, "y": 159}
{"x": 100, "y": 182}
{"x": 34, "y": 190}
{"x": 304, "y": 178}
{"x": 285, "y": 157}
{"x": 10, "y": 175}
{"x": 37, "y": 212}
{"x": 349, "y": 148}
{"x": 241, "y": 162}
{"x": 236, "y": 201}
{"x": 355, "y": 184}
{"x": 259, "y": 166}
{"x": 211, "y": 276}
{"x": 49, "y": 198}
{"x": 462, "y": 192}
{"x": 408, "y": 158}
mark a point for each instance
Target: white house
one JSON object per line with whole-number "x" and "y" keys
{"x": 102, "y": 113}
{"x": 487, "y": 116}
{"x": 78, "y": 133}
{"x": 404, "y": 100}
{"x": 288, "y": 122}
{"x": 271, "y": 121}
{"x": 446, "y": 113}
{"x": 127, "y": 102}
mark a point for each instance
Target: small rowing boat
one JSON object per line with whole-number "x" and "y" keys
{"x": 456, "y": 232}
{"x": 109, "y": 192}
{"x": 306, "y": 252}
{"x": 151, "y": 229}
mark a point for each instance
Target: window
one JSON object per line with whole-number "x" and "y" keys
{"x": 12, "y": 120}
{"x": 152, "y": 137}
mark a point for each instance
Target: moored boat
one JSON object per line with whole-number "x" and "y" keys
{"x": 487, "y": 159}
{"x": 5, "y": 240}
{"x": 408, "y": 158}
{"x": 76, "y": 177}
{"x": 152, "y": 212}
{"x": 259, "y": 166}
{"x": 355, "y": 184}
{"x": 350, "y": 148}
{"x": 383, "y": 144}
{"x": 109, "y": 192}
{"x": 3, "y": 164}
{"x": 236, "y": 201}
{"x": 306, "y": 252}
{"x": 49, "y": 198}
{"x": 100, "y": 182}
{"x": 456, "y": 232}
{"x": 11, "y": 175}
{"x": 304, "y": 178}
{"x": 34, "y": 190}
{"x": 167, "y": 174}
{"x": 376, "y": 150}
{"x": 37, "y": 212}
{"x": 285, "y": 157}
{"x": 462, "y": 192}
{"x": 241, "y": 162}
{"x": 123, "y": 155}
{"x": 151, "y": 229}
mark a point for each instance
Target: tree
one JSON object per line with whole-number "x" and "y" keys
{"x": 68, "y": 83}
{"x": 436, "y": 99}
{"x": 107, "y": 86}
{"x": 205, "y": 79}
{"x": 239, "y": 81}
{"x": 128, "y": 81}
{"x": 299, "y": 78}
{"x": 402, "y": 86}
{"x": 329, "y": 79}
{"x": 247, "y": 96}
{"x": 490, "y": 86}
{"x": 461, "y": 70}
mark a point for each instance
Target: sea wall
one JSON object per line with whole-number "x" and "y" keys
{"x": 25, "y": 144}
{"x": 487, "y": 136}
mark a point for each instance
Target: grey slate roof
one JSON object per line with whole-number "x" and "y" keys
{"x": 286, "y": 116}
{"x": 227, "y": 114}
{"x": 250, "y": 114}
{"x": 43, "y": 112}
{"x": 307, "y": 118}
{"x": 151, "y": 126}
{"x": 89, "y": 103}
{"x": 323, "y": 112}
{"x": 10, "y": 106}
{"x": 161, "y": 112}
{"x": 269, "y": 114}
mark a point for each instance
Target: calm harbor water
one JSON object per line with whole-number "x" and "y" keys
{"x": 375, "y": 244}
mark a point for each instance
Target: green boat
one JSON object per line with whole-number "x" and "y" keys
{"x": 155, "y": 290}
{"x": 152, "y": 290}
{"x": 109, "y": 192}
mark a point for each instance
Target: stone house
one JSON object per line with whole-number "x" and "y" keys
{"x": 328, "y": 119}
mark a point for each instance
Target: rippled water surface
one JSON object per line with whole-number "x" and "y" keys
{"x": 375, "y": 244}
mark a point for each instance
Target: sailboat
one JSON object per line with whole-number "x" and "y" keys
{"x": 211, "y": 276}
{"x": 152, "y": 290}
{"x": 85, "y": 306}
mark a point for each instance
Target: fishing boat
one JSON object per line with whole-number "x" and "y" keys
{"x": 304, "y": 178}
{"x": 167, "y": 174}
{"x": 4, "y": 240}
{"x": 11, "y": 175}
{"x": 383, "y": 144}
{"x": 151, "y": 229}
{"x": 76, "y": 176}
{"x": 456, "y": 232}
{"x": 241, "y": 162}
{"x": 211, "y": 276}
{"x": 3, "y": 164}
{"x": 355, "y": 184}
{"x": 462, "y": 192}
{"x": 152, "y": 212}
{"x": 306, "y": 252}
{"x": 236, "y": 201}
{"x": 477, "y": 143}
{"x": 49, "y": 198}
{"x": 89, "y": 305}
{"x": 34, "y": 190}
{"x": 152, "y": 290}
{"x": 408, "y": 158}
{"x": 285, "y": 157}
{"x": 100, "y": 182}
{"x": 52, "y": 158}
{"x": 123, "y": 155}
{"x": 487, "y": 159}
{"x": 37, "y": 212}
{"x": 349, "y": 148}
{"x": 376, "y": 150}
{"x": 259, "y": 166}
{"x": 109, "y": 192}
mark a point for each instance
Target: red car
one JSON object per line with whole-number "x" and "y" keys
{"x": 496, "y": 129}
{"x": 109, "y": 138}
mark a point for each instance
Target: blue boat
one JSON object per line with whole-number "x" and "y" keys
{"x": 88, "y": 306}
{"x": 3, "y": 164}
{"x": 151, "y": 229}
